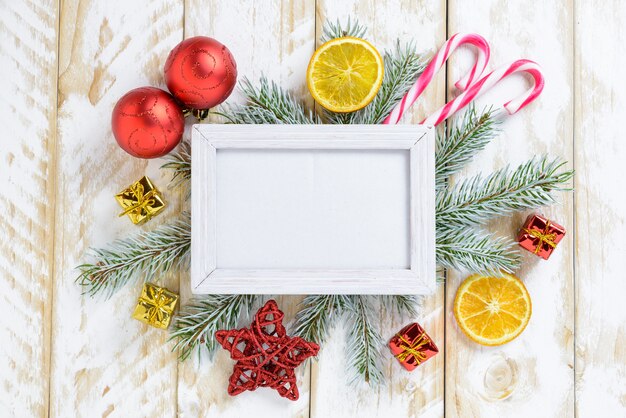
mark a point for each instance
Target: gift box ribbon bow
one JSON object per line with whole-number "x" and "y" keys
{"x": 158, "y": 303}
{"x": 142, "y": 201}
{"x": 412, "y": 349}
{"x": 544, "y": 237}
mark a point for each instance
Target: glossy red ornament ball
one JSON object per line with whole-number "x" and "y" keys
{"x": 200, "y": 72}
{"x": 147, "y": 122}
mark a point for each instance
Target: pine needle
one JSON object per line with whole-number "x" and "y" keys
{"x": 197, "y": 322}
{"x": 268, "y": 104}
{"x": 148, "y": 254}
{"x": 465, "y": 139}
{"x": 364, "y": 342}
{"x": 405, "y": 306}
{"x": 477, "y": 199}
{"x": 476, "y": 252}
{"x": 180, "y": 163}
{"x": 317, "y": 315}
{"x": 334, "y": 30}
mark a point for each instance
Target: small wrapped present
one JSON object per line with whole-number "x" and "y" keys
{"x": 540, "y": 235}
{"x": 140, "y": 201}
{"x": 412, "y": 346}
{"x": 155, "y": 306}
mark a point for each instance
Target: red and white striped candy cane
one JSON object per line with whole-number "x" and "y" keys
{"x": 486, "y": 83}
{"x": 435, "y": 65}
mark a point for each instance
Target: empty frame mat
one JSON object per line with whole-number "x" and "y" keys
{"x": 322, "y": 209}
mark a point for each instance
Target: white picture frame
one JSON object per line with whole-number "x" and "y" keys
{"x": 227, "y": 152}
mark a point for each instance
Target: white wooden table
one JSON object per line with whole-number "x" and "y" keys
{"x": 64, "y": 64}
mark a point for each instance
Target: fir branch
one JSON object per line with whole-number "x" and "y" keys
{"x": 336, "y": 30}
{"x": 180, "y": 162}
{"x": 402, "y": 67}
{"x": 317, "y": 314}
{"x": 476, "y": 200}
{"x": 464, "y": 140}
{"x": 364, "y": 341}
{"x": 403, "y": 305}
{"x": 268, "y": 104}
{"x": 467, "y": 249}
{"x": 197, "y": 322}
{"x": 147, "y": 254}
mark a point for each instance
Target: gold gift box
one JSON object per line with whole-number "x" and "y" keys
{"x": 155, "y": 306}
{"x": 140, "y": 201}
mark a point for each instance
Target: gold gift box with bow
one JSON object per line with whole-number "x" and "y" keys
{"x": 140, "y": 201}
{"x": 155, "y": 306}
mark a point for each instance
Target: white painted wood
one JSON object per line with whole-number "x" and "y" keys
{"x": 28, "y": 97}
{"x": 103, "y": 362}
{"x": 536, "y": 369}
{"x": 419, "y": 393}
{"x": 600, "y": 221}
{"x": 275, "y": 40}
{"x": 280, "y": 282}
{"x": 330, "y": 274}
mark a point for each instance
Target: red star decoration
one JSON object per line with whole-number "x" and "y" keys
{"x": 266, "y": 356}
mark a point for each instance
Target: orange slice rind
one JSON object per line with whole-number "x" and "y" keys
{"x": 492, "y": 310}
{"x": 345, "y": 74}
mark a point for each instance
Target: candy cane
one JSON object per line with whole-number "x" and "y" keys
{"x": 486, "y": 83}
{"x": 435, "y": 65}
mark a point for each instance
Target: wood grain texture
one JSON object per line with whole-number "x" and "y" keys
{"x": 600, "y": 215}
{"x": 103, "y": 362}
{"x": 419, "y": 393}
{"x": 63, "y": 354}
{"x": 536, "y": 369}
{"x": 28, "y": 74}
{"x": 274, "y": 39}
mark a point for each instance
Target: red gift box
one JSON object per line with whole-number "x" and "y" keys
{"x": 412, "y": 346}
{"x": 540, "y": 236}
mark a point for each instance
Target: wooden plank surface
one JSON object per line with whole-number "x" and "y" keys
{"x": 600, "y": 216}
{"x": 103, "y": 362}
{"x": 28, "y": 74}
{"x": 275, "y": 40}
{"x": 419, "y": 393}
{"x": 63, "y": 354}
{"x": 536, "y": 369}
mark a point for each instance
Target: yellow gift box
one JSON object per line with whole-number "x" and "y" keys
{"x": 140, "y": 201}
{"x": 155, "y": 306}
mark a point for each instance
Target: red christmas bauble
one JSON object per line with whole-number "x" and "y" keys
{"x": 147, "y": 122}
{"x": 200, "y": 72}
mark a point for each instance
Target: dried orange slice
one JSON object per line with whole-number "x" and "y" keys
{"x": 344, "y": 74}
{"x": 492, "y": 310}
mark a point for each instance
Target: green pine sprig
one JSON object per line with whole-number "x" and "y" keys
{"x": 477, "y": 252}
{"x": 334, "y": 30}
{"x": 467, "y": 135}
{"x": 364, "y": 342}
{"x": 318, "y": 314}
{"x": 403, "y": 305}
{"x": 267, "y": 103}
{"x": 148, "y": 254}
{"x": 478, "y": 199}
{"x": 180, "y": 164}
{"x": 196, "y": 323}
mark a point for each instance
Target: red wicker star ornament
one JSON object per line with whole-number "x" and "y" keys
{"x": 266, "y": 356}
